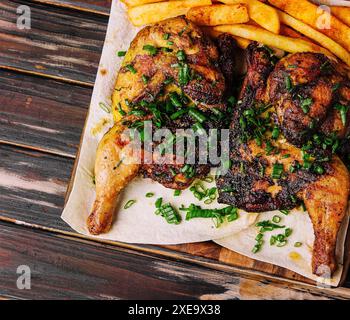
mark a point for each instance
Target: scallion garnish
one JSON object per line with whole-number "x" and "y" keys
{"x": 131, "y": 68}
{"x": 121, "y": 53}
{"x": 129, "y": 204}
{"x": 152, "y": 50}
{"x": 149, "y": 194}
{"x": 277, "y": 171}
{"x": 197, "y": 115}
{"x": 177, "y": 193}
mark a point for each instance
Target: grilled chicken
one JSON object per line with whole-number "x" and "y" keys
{"x": 269, "y": 170}
{"x": 169, "y": 67}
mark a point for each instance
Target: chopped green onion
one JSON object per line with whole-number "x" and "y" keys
{"x": 168, "y": 212}
{"x": 288, "y": 232}
{"x": 158, "y": 203}
{"x": 298, "y": 244}
{"x": 276, "y": 219}
{"x": 285, "y": 212}
{"x": 104, "y": 107}
{"x": 121, "y": 53}
{"x": 275, "y": 133}
{"x": 166, "y": 36}
{"x": 120, "y": 110}
{"x": 145, "y": 79}
{"x": 305, "y": 104}
{"x": 129, "y": 204}
{"x": 277, "y": 171}
{"x": 152, "y": 50}
{"x": 282, "y": 243}
{"x": 343, "y": 110}
{"x": 178, "y": 114}
{"x": 149, "y": 194}
{"x": 177, "y": 193}
{"x": 197, "y": 115}
{"x": 319, "y": 169}
{"x": 273, "y": 240}
{"x": 131, "y": 68}
{"x": 288, "y": 83}
{"x": 181, "y": 56}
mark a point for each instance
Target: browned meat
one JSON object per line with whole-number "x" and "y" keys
{"x": 268, "y": 173}
{"x": 308, "y": 90}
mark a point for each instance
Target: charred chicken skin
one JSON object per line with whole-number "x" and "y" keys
{"x": 279, "y": 159}
{"x": 171, "y": 76}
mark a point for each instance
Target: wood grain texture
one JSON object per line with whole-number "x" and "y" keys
{"x": 67, "y": 45}
{"x": 95, "y": 6}
{"x": 41, "y": 113}
{"x": 63, "y": 268}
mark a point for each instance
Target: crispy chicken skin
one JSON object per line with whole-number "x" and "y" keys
{"x": 154, "y": 56}
{"x": 249, "y": 184}
{"x": 305, "y": 88}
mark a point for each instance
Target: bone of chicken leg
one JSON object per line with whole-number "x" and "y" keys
{"x": 115, "y": 167}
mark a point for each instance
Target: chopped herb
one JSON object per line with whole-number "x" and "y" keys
{"x": 145, "y": 79}
{"x": 121, "y": 53}
{"x": 281, "y": 243}
{"x": 298, "y": 244}
{"x": 168, "y": 81}
{"x": 288, "y": 83}
{"x": 275, "y": 133}
{"x": 129, "y": 204}
{"x": 285, "y": 212}
{"x": 158, "y": 203}
{"x": 131, "y": 68}
{"x": 177, "y": 193}
{"x": 170, "y": 43}
{"x": 149, "y": 194}
{"x": 105, "y": 107}
{"x": 343, "y": 110}
{"x": 152, "y": 50}
{"x": 178, "y": 114}
{"x": 276, "y": 219}
{"x": 319, "y": 169}
{"x": 175, "y": 99}
{"x": 168, "y": 212}
{"x": 288, "y": 232}
{"x": 120, "y": 110}
{"x": 184, "y": 74}
{"x": 197, "y": 115}
{"x": 166, "y": 36}
{"x": 305, "y": 104}
{"x": 277, "y": 171}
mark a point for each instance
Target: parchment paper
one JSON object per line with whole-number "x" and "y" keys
{"x": 139, "y": 224}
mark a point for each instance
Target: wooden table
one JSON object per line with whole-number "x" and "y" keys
{"x": 46, "y": 80}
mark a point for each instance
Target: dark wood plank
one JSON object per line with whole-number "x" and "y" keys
{"x": 41, "y": 113}
{"x": 96, "y": 6}
{"x": 63, "y": 268}
{"x": 67, "y": 45}
{"x": 32, "y": 187}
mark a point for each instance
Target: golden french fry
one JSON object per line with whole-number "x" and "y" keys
{"x": 155, "y": 12}
{"x": 316, "y": 36}
{"x": 342, "y": 14}
{"x": 261, "y": 13}
{"x": 316, "y": 18}
{"x": 218, "y": 14}
{"x": 270, "y": 39}
{"x": 135, "y": 3}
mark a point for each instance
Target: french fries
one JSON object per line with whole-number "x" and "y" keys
{"x": 218, "y": 14}
{"x": 268, "y": 38}
{"x": 342, "y": 14}
{"x": 309, "y": 13}
{"x": 155, "y": 12}
{"x": 242, "y": 43}
{"x": 317, "y": 36}
{"x": 135, "y": 3}
{"x": 261, "y": 13}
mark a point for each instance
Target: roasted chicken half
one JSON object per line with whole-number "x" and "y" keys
{"x": 285, "y": 134}
{"x": 172, "y": 75}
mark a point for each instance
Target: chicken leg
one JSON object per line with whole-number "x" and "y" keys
{"x": 115, "y": 166}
